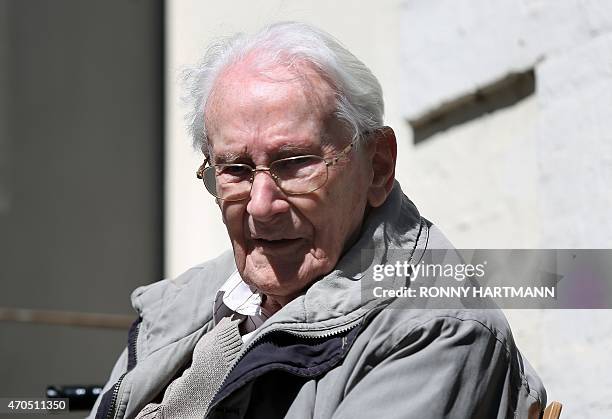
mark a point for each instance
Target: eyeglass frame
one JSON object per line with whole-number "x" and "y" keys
{"x": 330, "y": 161}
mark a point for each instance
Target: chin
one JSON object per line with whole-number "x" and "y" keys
{"x": 269, "y": 280}
{"x": 285, "y": 281}
{"x": 278, "y": 276}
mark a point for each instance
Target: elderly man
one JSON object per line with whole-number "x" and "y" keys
{"x": 298, "y": 159}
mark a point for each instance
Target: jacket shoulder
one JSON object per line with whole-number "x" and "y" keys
{"x": 209, "y": 275}
{"x": 172, "y": 309}
{"x": 399, "y": 320}
{"x": 446, "y": 334}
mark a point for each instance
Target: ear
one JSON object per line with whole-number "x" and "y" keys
{"x": 383, "y": 158}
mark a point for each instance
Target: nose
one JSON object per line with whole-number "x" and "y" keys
{"x": 267, "y": 199}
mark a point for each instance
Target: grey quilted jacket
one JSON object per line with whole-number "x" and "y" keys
{"x": 335, "y": 351}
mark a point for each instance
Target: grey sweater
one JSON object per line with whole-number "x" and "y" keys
{"x": 189, "y": 395}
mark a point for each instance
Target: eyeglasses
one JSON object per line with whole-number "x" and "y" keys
{"x": 294, "y": 175}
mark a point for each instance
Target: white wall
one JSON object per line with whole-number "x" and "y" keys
{"x": 560, "y": 140}
{"x": 537, "y": 174}
{"x": 533, "y": 175}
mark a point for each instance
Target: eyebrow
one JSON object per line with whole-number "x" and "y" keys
{"x": 285, "y": 150}
{"x": 228, "y": 157}
{"x": 290, "y": 150}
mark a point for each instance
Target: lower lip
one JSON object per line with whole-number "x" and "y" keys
{"x": 278, "y": 246}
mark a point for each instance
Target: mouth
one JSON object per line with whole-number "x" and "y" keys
{"x": 276, "y": 244}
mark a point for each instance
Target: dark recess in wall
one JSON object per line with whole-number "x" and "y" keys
{"x": 503, "y": 93}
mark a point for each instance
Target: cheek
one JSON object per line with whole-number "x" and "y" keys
{"x": 233, "y": 215}
{"x": 346, "y": 216}
{"x": 337, "y": 220}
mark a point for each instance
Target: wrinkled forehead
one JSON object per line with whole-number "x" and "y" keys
{"x": 249, "y": 98}
{"x": 297, "y": 76}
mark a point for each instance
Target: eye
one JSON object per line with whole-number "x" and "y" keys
{"x": 296, "y": 166}
{"x": 233, "y": 172}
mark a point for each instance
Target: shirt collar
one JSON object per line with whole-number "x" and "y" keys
{"x": 236, "y": 296}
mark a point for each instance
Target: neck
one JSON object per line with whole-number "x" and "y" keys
{"x": 272, "y": 304}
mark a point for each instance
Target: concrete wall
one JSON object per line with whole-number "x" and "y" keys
{"x": 535, "y": 174}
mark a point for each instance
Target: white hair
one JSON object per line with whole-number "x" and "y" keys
{"x": 359, "y": 101}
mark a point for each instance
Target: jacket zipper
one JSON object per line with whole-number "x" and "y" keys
{"x": 313, "y": 335}
{"x": 111, "y": 411}
{"x": 132, "y": 348}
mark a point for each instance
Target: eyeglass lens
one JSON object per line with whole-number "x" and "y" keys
{"x": 294, "y": 175}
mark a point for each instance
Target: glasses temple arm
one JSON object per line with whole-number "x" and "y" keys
{"x": 200, "y": 172}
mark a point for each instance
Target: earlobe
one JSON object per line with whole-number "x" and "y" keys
{"x": 383, "y": 166}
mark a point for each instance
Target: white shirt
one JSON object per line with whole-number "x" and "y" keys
{"x": 235, "y": 296}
